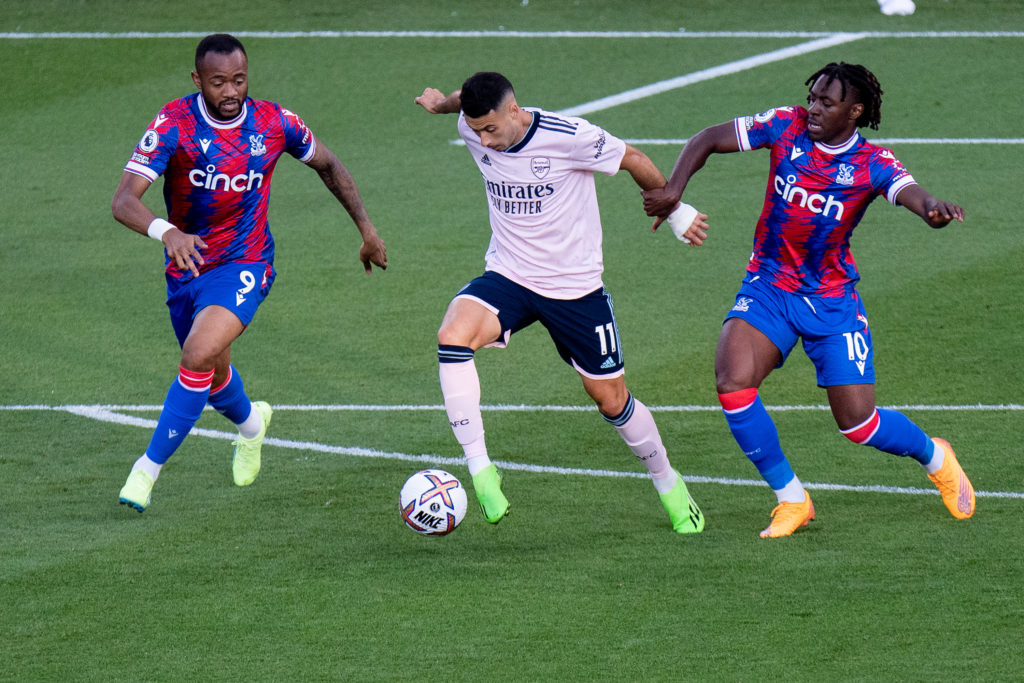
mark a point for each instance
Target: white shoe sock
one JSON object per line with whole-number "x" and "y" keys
{"x": 148, "y": 466}
{"x": 252, "y": 425}
{"x": 793, "y": 492}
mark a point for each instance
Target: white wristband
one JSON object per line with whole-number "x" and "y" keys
{"x": 680, "y": 220}
{"x": 157, "y": 229}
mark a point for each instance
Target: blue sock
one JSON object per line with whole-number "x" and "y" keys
{"x": 892, "y": 432}
{"x": 230, "y": 399}
{"x": 184, "y": 404}
{"x": 755, "y": 432}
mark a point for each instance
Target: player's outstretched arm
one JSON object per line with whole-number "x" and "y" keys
{"x": 716, "y": 139}
{"x": 343, "y": 186}
{"x": 436, "y": 102}
{"x": 643, "y": 170}
{"x": 129, "y": 210}
{"x": 935, "y": 212}
{"x": 692, "y": 226}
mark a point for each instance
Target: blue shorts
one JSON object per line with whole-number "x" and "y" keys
{"x": 238, "y": 287}
{"x": 583, "y": 329}
{"x": 835, "y": 331}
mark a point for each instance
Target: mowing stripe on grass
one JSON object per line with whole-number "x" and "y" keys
{"x": 106, "y": 414}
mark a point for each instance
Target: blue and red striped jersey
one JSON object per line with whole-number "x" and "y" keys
{"x": 816, "y": 196}
{"x": 217, "y": 173}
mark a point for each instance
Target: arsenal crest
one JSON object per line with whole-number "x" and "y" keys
{"x": 540, "y": 166}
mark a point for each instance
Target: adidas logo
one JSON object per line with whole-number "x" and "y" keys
{"x": 608, "y": 363}
{"x": 484, "y": 159}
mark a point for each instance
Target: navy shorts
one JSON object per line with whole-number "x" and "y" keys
{"x": 835, "y": 331}
{"x": 238, "y": 287}
{"x": 584, "y": 329}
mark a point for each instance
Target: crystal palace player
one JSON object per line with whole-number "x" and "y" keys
{"x": 217, "y": 150}
{"x": 544, "y": 264}
{"x": 801, "y": 279}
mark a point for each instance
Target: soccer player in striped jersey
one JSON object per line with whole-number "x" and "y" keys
{"x": 544, "y": 263}
{"x": 217, "y": 149}
{"x": 801, "y": 279}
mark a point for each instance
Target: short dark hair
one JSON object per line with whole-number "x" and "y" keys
{"x": 484, "y": 92}
{"x": 864, "y": 84}
{"x": 221, "y": 43}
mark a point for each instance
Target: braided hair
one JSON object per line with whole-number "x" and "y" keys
{"x": 867, "y": 90}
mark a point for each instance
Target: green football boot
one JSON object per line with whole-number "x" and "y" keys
{"x": 245, "y": 464}
{"x": 137, "y": 490}
{"x": 682, "y": 510}
{"x": 487, "y": 485}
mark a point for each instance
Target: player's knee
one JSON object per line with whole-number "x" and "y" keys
{"x": 728, "y": 383}
{"x": 730, "y": 379}
{"x": 449, "y": 336}
{"x": 610, "y": 407}
{"x": 456, "y": 333}
{"x": 194, "y": 357}
{"x": 610, "y": 397}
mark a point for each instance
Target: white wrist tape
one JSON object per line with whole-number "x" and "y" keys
{"x": 680, "y": 220}
{"x": 157, "y": 228}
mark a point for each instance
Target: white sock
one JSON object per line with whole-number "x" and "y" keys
{"x": 793, "y": 492}
{"x": 477, "y": 464}
{"x": 252, "y": 425}
{"x": 148, "y": 466}
{"x": 938, "y": 457}
{"x": 665, "y": 483}
{"x": 641, "y": 435}
{"x": 460, "y": 385}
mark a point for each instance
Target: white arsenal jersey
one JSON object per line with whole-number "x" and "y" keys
{"x": 545, "y": 222}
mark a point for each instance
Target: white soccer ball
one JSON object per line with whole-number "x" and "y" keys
{"x": 432, "y": 502}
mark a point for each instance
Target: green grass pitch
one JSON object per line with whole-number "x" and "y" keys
{"x": 310, "y": 573}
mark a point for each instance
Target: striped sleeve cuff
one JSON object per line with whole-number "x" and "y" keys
{"x": 138, "y": 169}
{"x": 896, "y": 187}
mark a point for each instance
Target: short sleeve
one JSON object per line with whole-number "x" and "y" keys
{"x": 762, "y": 130}
{"x": 154, "y": 150}
{"x": 888, "y": 175}
{"x": 597, "y": 150}
{"x": 298, "y": 138}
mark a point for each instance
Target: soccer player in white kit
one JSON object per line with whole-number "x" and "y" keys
{"x": 544, "y": 263}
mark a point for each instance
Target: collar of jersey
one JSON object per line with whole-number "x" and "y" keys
{"x": 839, "y": 149}
{"x": 214, "y": 123}
{"x": 526, "y": 138}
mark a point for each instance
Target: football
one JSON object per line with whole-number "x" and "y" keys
{"x": 432, "y": 502}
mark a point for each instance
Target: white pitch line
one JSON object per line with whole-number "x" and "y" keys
{"x": 520, "y": 407}
{"x": 706, "y": 74}
{"x": 713, "y": 72}
{"x": 876, "y": 141}
{"x": 681, "y": 33}
{"x": 821, "y": 40}
{"x": 106, "y": 414}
